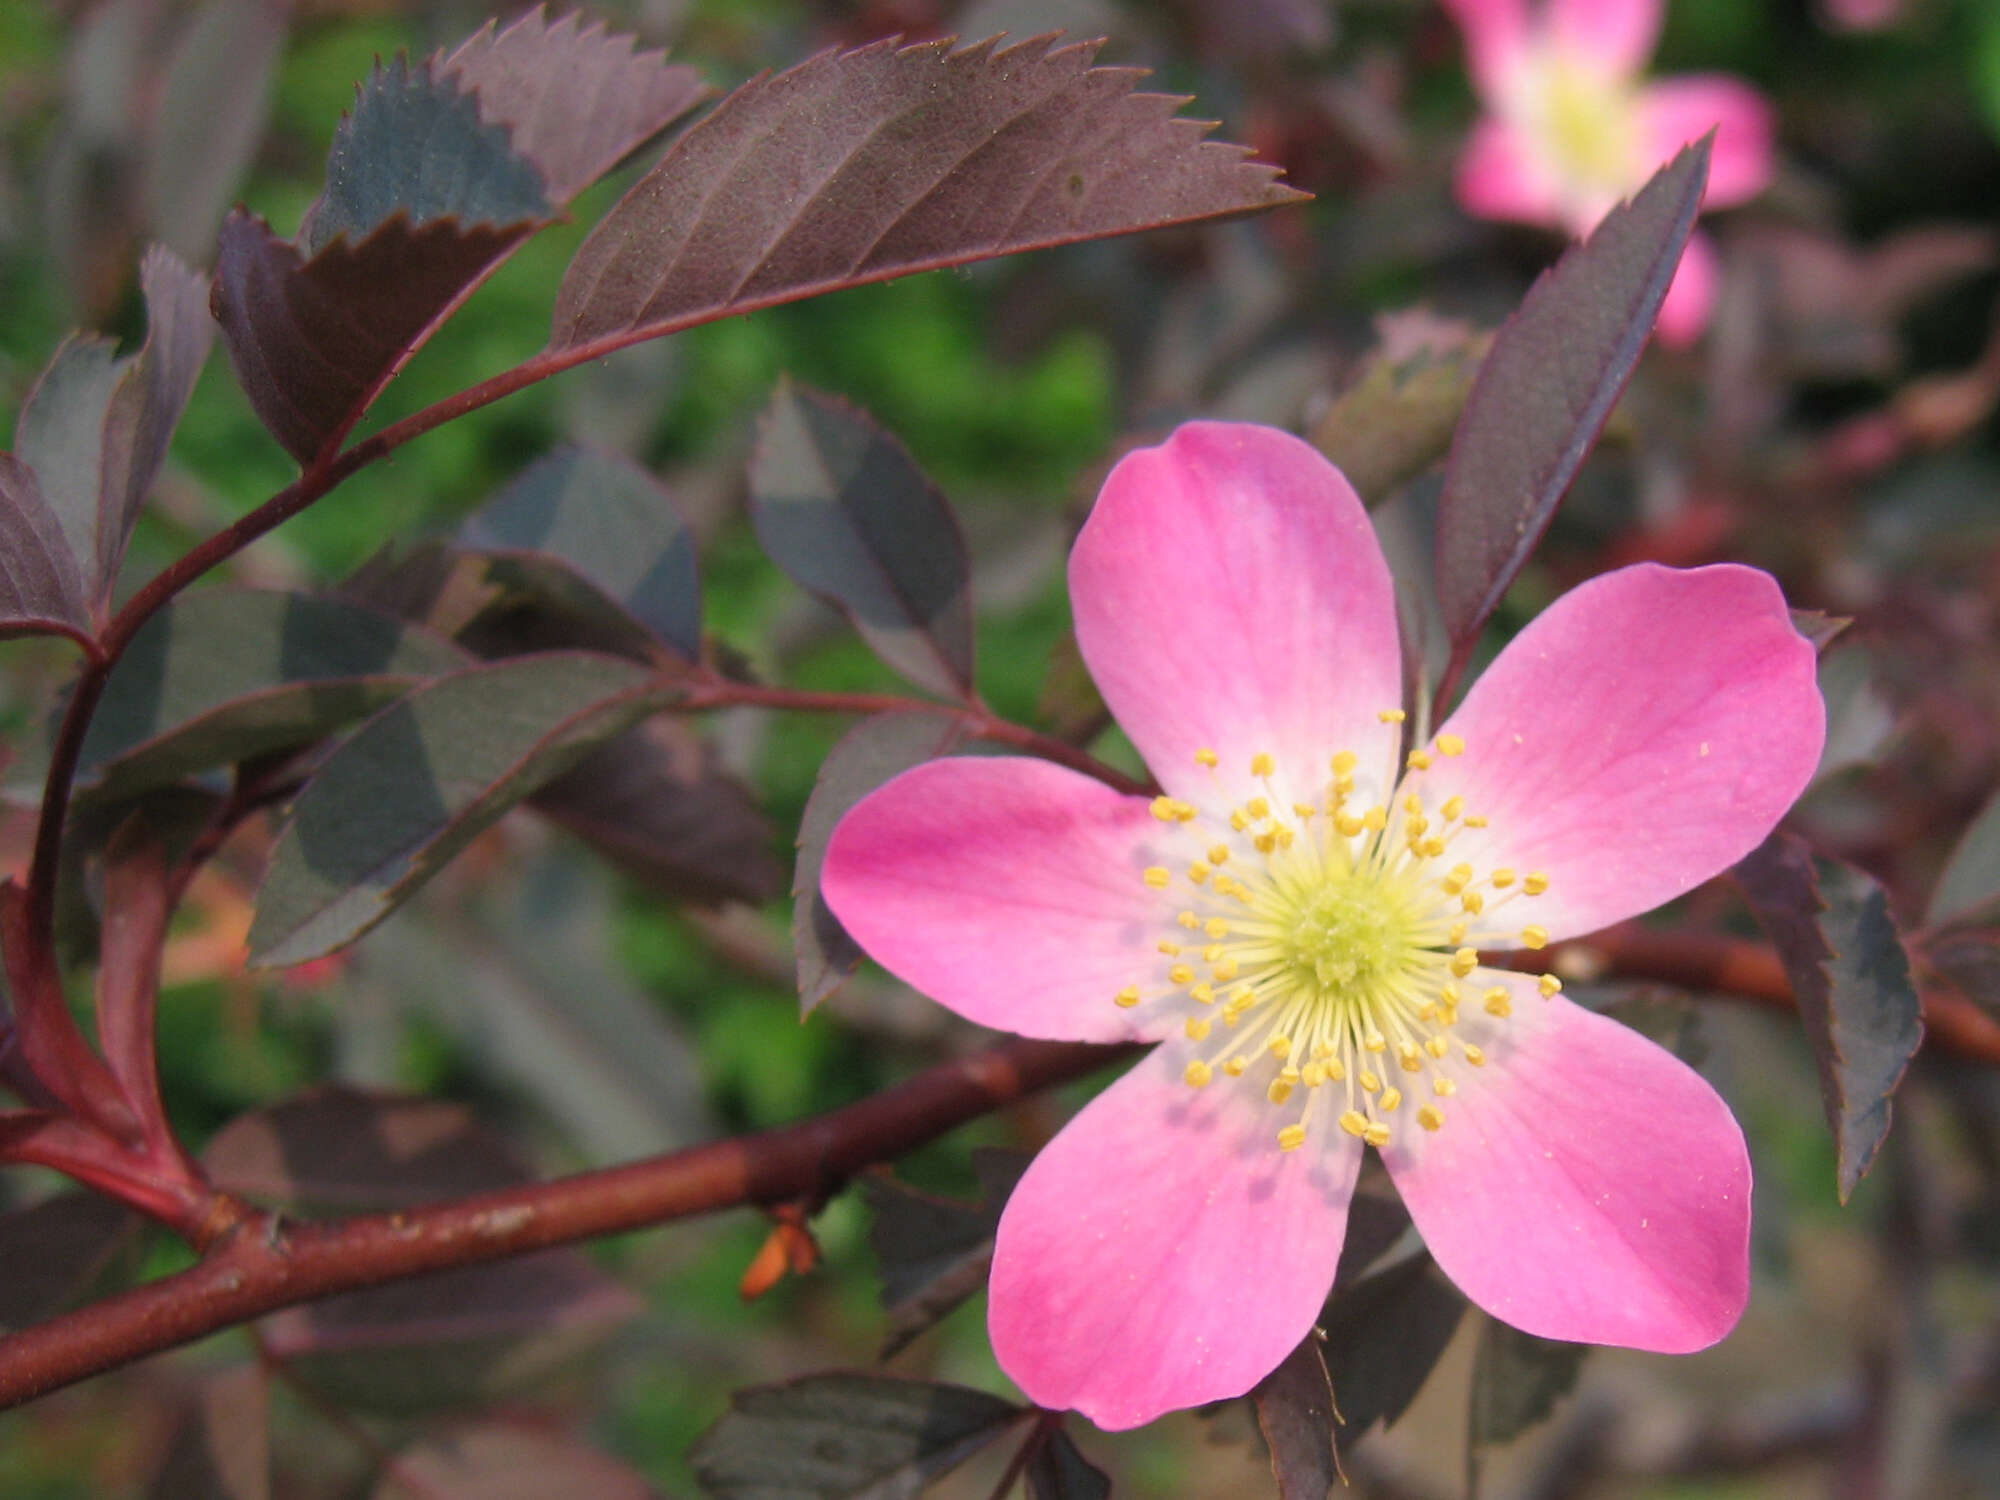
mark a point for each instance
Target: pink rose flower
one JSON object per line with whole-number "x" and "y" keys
{"x": 1298, "y": 919}
{"x": 1570, "y": 129}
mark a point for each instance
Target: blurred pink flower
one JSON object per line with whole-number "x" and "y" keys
{"x": 1571, "y": 128}
{"x": 1297, "y": 922}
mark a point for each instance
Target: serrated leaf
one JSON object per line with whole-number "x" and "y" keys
{"x": 935, "y": 1252}
{"x": 868, "y": 755}
{"x": 1059, "y": 1471}
{"x": 1295, "y": 1413}
{"x": 415, "y": 146}
{"x": 1851, "y": 980}
{"x": 223, "y": 675}
{"x": 1384, "y": 1336}
{"x": 845, "y": 1437}
{"x": 601, "y": 535}
{"x": 576, "y": 98}
{"x": 654, "y": 803}
{"x": 1971, "y": 876}
{"x": 1547, "y": 385}
{"x": 41, "y": 587}
{"x": 1396, "y": 419}
{"x": 95, "y": 428}
{"x": 508, "y": 1463}
{"x": 1860, "y": 716}
{"x": 315, "y": 339}
{"x": 859, "y": 166}
{"x": 1517, "y": 1379}
{"x": 416, "y": 783}
{"x": 1819, "y": 627}
{"x": 841, "y": 506}
{"x": 441, "y": 1339}
{"x": 221, "y": 1449}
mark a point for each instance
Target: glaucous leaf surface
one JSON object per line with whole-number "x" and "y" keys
{"x": 1384, "y": 1335}
{"x": 863, "y": 165}
{"x": 598, "y": 532}
{"x": 416, "y": 783}
{"x": 40, "y": 584}
{"x": 1546, "y": 387}
{"x": 222, "y": 675}
{"x": 1850, "y": 977}
{"x": 508, "y": 1463}
{"x": 934, "y": 1252}
{"x": 841, "y": 506}
{"x": 868, "y": 755}
{"x": 221, "y": 1447}
{"x": 1295, "y": 1413}
{"x": 843, "y": 1435}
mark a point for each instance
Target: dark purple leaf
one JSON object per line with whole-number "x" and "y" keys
{"x": 223, "y": 675}
{"x": 57, "y": 1250}
{"x": 1545, "y": 388}
{"x": 935, "y": 1252}
{"x": 41, "y": 587}
{"x": 575, "y": 98}
{"x": 842, "y": 507}
{"x": 843, "y": 1436}
{"x": 1059, "y": 1471}
{"x": 1396, "y": 419}
{"x": 1376, "y": 1219}
{"x": 221, "y": 1450}
{"x": 1295, "y": 1412}
{"x": 654, "y": 803}
{"x": 406, "y": 791}
{"x": 315, "y": 339}
{"x": 1819, "y": 627}
{"x": 1517, "y": 1379}
{"x": 863, "y": 165}
{"x": 599, "y": 535}
{"x": 1971, "y": 877}
{"x": 1851, "y": 979}
{"x": 1384, "y": 1335}
{"x": 138, "y": 902}
{"x": 507, "y": 1463}
{"x": 95, "y": 428}
{"x": 871, "y": 753}
{"x": 433, "y": 1340}
{"x": 1966, "y": 957}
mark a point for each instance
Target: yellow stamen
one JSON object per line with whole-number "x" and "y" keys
{"x": 1450, "y": 744}
{"x": 1430, "y": 1117}
{"x": 1158, "y": 877}
{"x": 1198, "y": 1074}
{"x": 1208, "y": 757}
{"x": 1291, "y": 1137}
{"x": 1128, "y": 997}
{"x": 1261, "y": 764}
{"x": 1535, "y": 937}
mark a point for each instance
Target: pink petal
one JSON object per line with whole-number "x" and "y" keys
{"x": 1641, "y": 735}
{"x": 1496, "y": 38}
{"x": 1586, "y": 1184}
{"x": 1501, "y": 176}
{"x": 1230, "y": 595}
{"x": 1010, "y": 890}
{"x": 1675, "y": 111}
{"x": 1162, "y": 1252}
{"x": 1691, "y": 295}
{"x": 1611, "y": 36}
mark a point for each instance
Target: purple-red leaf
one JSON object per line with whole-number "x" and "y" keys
{"x": 1851, "y": 979}
{"x": 1384, "y": 1336}
{"x": 576, "y": 98}
{"x": 138, "y": 901}
{"x": 1059, "y": 1471}
{"x": 57, "y": 1249}
{"x": 222, "y": 1449}
{"x": 859, "y": 166}
{"x": 508, "y": 1463}
{"x": 935, "y": 1252}
{"x": 1295, "y": 1411}
{"x": 1545, "y": 389}
{"x": 41, "y": 588}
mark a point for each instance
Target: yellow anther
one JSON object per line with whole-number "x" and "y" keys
{"x": 1225, "y": 968}
{"x": 1453, "y": 806}
{"x": 1243, "y": 999}
{"x": 1281, "y": 1046}
{"x": 1501, "y": 878}
{"x": 1345, "y": 762}
{"x": 1420, "y": 760}
{"x": 1464, "y": 962}
{"x": 1457, "y": 934}
{"x": 1375, "y": 1042}
{"x": 1498, "y": 1003}
{"x": 1211, "y": 953}
{"x": 1197, "y": 1028}
{"x": 1475, "y": 820}
{"x": 1462, "y": 874}
{"x": 1475, "y": 1055}
{"x": 1431, "y": 1117}
{"x": 1218, "y": 854}
{"x": 1198, "y": 1074}
{"x": 1216, "y": 927}
{"x": 1535, "y": 937}
{"x": 1224, "y": 886}
{"x": 1235, "y": 1066}
{"x": 1431, "y": 847}
{"x": 1158, "y": 877}
{"x": 1279, "y": 1091}
{"x": 1535, "y": 884}
{"x": 1291, "y": 1137}
{"x": 1391, "y": 1097}
{"x": 1375, "y": 819}
{"x": 1181, "y": 974}
{"x": 1203, "y": 993}
{"x": 1188, "y": 920}
{"x": 1238, "y": 821}
{"x": 1335, "y": 1070}
{"x": 1450, "y": 744}
{"x": 1313, "y": 1074}
{"x": 1437, "y": 1046}
{"x": 1128, "y": 997}
{"x": 1549, "y": 985}
{"x": 1444, "y": 1088}
{"x": 1427, "y": 1011}
{"x": 1412, "y": 1057}
{"x": 1473, "y": 902}
{"x": 1304, "y": 811}
{"x": 1413, "y": 804}
{"x": 1413, "y": 828}
{"x": 1354, "y": 1122}
{"x": 1368, "y": 1081}
{"x": 1207, "y": 757}
{"x": 1169, "y": 947}
{"x": 1449, "y": 995}
{"x": 1265, "y": 842}
{"x": 1261, "y": 764}
{"x": 1198, "y": 872}
{"x": 1258, "y": 808}
{"x": 1168, "y": 809}
{"x": 1348, "y": 824}
{"x": 1376, "y": 1135}
{"x": 1392, "y": 716}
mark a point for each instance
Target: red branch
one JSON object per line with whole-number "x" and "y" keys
{"x": 262, "y": 1263}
